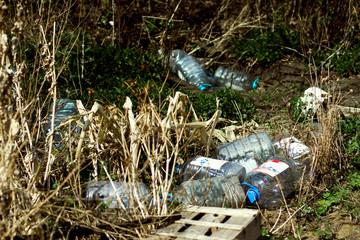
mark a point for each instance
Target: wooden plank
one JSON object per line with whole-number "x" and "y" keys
{"x": 156, "y": 237}
{"x": 347, "y": 111}
{"x": 188, "y": 215}
{"x": 241, "y": 212}
{"x": 201, "y": 229}
{"x": 173, "y": 228}
{"x": 211, "y": 224}
{"x": 185, "y": 235}
{"x": 226, "y": 234}
{"x": 244, "y": 224}
{"x": 252, "y": 229}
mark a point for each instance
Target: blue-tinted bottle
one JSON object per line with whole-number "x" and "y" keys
{"x": 127, "y": 192}
{"x": 249, "y": 151}
{"x": 189, "y": 69}
{"x": 63, "y": 108}
{"x": 235, "y": 80}
{"x": 271, "y": 182}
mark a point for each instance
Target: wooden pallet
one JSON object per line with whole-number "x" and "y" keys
{"x": 213, "y": 223}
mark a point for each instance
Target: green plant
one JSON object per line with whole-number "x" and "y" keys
{"x": 266, "y": 235}
{"x": 297, "y": 113}
{"x": 343, "y": 61}
{"x": 333, "y": 197}
{"x": 111, "y": 73}
{"x": 349, "y": 127}
{"x": 325, "y": 234}
{"x": 230, "y": 102}
{"x": 343, "y": 194}
{"x": 268, "y": 47}
{"x": 105, "y": 73}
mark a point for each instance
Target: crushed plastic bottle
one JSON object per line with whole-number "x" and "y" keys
{"x": 128, "y": 193}
{"x": 223, "y": 191}
{"x": 64, "y": 108}
{"x": 189, "y": 69}
{"x": 248, "y": 151}
{"x": 266, "y": 184}
{"x": 291, "y": 147}
{"x": 204, "y": 167}
{"x": 235, "y": 80}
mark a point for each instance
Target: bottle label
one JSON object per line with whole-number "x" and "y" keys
{"x": 208, "y": 163}
{"x": 292, "y": 147}
{"x": 272, "y": 167}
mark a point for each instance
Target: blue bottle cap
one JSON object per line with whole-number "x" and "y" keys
{"x": 253, "y": 195}
{"x": 205, "y": 86}
{"x": 177, "y": 169}
{"x": 255, "y": 85}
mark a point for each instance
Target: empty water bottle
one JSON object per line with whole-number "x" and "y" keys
{"x": 63, "y": 108}
{"x": 271, "y": 182}
{"x": 204, "y": 167}
{"x": 212, "y": 192}
{"x": 112, "y": 194}
{"x": 189, "y": 69}
{"x": 236, "y": 80}
{"x": 248, "y": 151}
{"x": 291, "y": 147}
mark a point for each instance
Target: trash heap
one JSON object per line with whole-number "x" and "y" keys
{"x": 252, "y": 171}
{"x": 246, "y": 169}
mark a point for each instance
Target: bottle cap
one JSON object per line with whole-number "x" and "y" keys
{"x": 255, "y": 83}
{"x": 205, "y": 86}
{"x": 253, "y": 195}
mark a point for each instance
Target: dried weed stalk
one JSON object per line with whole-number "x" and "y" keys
{"x": 14, "y": 135}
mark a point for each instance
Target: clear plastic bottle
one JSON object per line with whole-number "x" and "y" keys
{"x": 189, "y": 69}
{"x": 204, "y": 167}
{"x": 233, "y": 79}
{"x": 291, "y": 147}
{"x": 267, "y": 183}
{"x": 223, "y": 191}
{"x": 63, "y": 108}
{"x": 248, "y": 151}
{"x": 127, "y": 192}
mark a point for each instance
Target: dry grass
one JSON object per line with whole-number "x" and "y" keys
{"x": 42, "y": 186}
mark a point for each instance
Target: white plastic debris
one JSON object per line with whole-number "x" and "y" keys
{"x": 313, "y": 98}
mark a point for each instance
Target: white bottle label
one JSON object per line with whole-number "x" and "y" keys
{"x": 272, "y": 167}
{"x": 293, "y": 147}
{"x": 208, "y": 163}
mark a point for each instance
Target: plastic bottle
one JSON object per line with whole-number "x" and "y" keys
{"x": 291, "y": 147}
{"x": 64, "y": 108}
{"x": 204, "y": 167}
{"x": 267, "y": 183}
{"x": 223, "y": 191}
{"x": 127, "y": 192}
{"x": 248, "y": 151}
{"x": 189, "y": 69}
{"x": 236, "y": 80}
